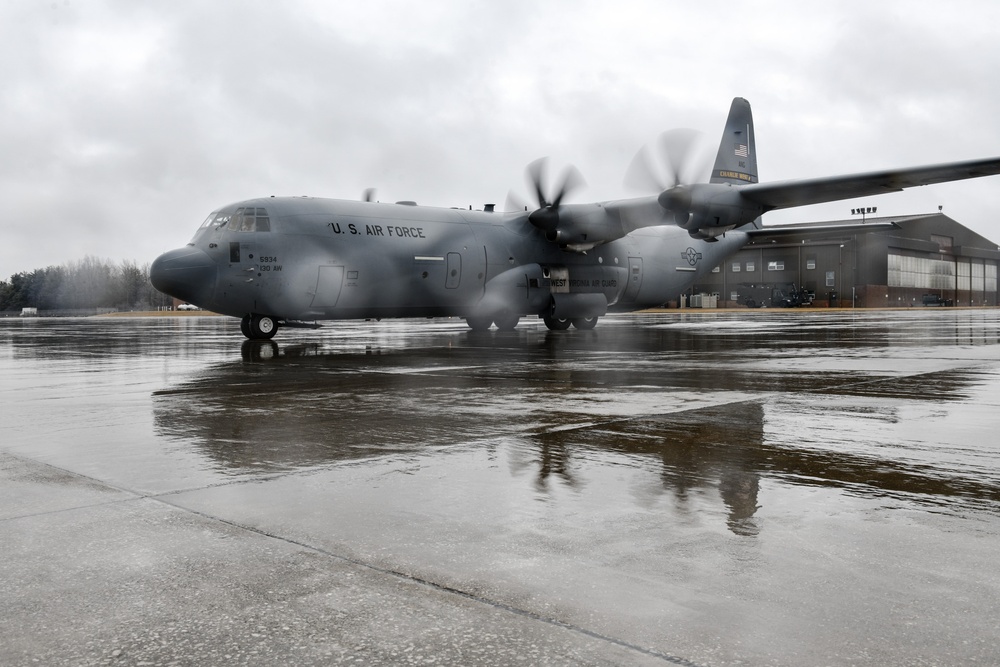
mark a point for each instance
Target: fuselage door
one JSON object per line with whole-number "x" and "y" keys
{"x": 240, "y": 276}
{"x": 328, "y": 285}
{"x": 634, "y": 279}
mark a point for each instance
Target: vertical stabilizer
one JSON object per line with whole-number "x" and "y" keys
{"x": 736, "y": 161}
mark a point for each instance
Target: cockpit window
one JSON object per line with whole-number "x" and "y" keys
{"x": 250, "y": 219}
{"x": 209, "y": 220}
{"x": 263, "y": 221}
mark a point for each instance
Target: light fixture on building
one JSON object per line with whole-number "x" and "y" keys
{"x": 863, "y": 211}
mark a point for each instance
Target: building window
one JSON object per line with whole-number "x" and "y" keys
{"x": 831, "y": 278}
{"x": 978, "y": 277}
{"x": 736, "y": 267}
{"x": 716, "y": 269}
{"x": 750, "y": 266}
{"x": 921, "y": 272}
{"x": 810, "y": 262}
{"x": 964, "y": 276}
{"x": 734, "y": 296}
{"x": 776, "y": 266}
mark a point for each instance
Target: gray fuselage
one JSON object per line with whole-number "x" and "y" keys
{"x": 303, "y": 258}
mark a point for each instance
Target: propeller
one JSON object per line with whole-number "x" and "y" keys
{"x": 673, "y": 166}
{"x": 677, "y": 158}
{"x": 546, "y": 216}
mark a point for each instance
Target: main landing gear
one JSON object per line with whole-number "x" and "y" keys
{"x": 507, "y": 322}
{"x": 556, "y": 323}
{"x": 258, "y": 327}
{"x": 479, "y": 323}
{"x": 585, "y": 323}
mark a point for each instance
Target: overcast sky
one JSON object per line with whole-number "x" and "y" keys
{"x": 123, "y": 124}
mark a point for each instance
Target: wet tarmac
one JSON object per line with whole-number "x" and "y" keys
{"x": 699, "y": 488}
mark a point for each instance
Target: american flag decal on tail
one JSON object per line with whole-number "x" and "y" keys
{"x": 742, "y": 150}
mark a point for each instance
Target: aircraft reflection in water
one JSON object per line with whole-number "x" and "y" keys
{"x": 713, "y": 450}
{"x": 647, "y": 411}
{"x": 292, "y": 261}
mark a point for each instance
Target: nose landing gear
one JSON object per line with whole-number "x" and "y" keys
{"x": 258, "y": 327}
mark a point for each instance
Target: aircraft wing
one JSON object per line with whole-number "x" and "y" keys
{"x": 822, "y": 230}
{"x": 785, "y": 194}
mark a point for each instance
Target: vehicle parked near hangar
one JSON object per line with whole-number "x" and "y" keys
{"x": 773, "y": 295}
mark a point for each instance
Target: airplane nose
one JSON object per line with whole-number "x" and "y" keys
{"x": 185, "y": 273}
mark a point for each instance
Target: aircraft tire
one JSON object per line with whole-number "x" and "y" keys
{"x": 556, "y": 324}
{"x": 479, "y": 323}
{"x": 585, "y": 323}
{"x": 507, "y": 321}
{"x": 262, "y": 327}
{"x": 245, "y": 326}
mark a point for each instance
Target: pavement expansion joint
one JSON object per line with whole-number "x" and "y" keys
{"x": 670, "y": 659}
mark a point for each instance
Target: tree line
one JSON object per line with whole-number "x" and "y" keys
{"x": 88, "y": 283}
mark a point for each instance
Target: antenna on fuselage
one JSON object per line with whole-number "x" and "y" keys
{"x": 368, "y": 194}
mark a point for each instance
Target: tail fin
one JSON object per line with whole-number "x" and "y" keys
{"x": 736, "y": 161}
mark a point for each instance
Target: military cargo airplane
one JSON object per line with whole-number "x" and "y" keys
{"x": 293, "y": 261}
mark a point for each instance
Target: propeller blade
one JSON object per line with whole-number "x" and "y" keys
{"x": 677, "y": 157}
{"x": 514, "y": 203}
{"x": 536, "y": 178}
{"x": 676, "y": 148}
{"x": 641, "y": 173}
{"x": 572, "y": 180}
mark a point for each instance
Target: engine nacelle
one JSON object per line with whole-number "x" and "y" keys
{"x": 582, "y": 227}
{"x": 708, "y": 210}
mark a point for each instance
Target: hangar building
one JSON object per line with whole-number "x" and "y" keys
{"x": 925, "y": 260}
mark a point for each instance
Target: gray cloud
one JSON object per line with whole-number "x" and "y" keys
{"x": 124, "y": 124}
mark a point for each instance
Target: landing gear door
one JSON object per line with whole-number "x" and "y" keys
{"x": 634, "y": 279}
